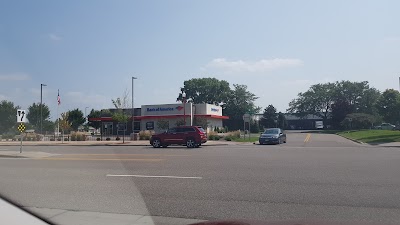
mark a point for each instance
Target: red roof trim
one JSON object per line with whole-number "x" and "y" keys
{"x": 160, "y": 117}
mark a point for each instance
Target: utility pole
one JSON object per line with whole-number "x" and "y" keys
{"x": 133, "y": 111}
{"x": 41, "y": 108}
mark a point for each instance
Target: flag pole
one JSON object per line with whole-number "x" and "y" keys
{"x": 58, "y": 116}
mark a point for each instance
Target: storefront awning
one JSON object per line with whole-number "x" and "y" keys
{"x": 160, "y": 117}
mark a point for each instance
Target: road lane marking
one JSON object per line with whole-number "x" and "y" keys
{"x": 307, "y": 138}
{"x": 99, "y": 159}
{"x": 147, "y": 176}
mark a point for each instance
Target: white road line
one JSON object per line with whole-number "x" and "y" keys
{"x": 146, "y": 176}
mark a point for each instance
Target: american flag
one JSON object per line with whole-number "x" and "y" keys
{"x": 58, "y": 98}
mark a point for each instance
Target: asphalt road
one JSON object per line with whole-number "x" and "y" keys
{"x": 317, "y": 176}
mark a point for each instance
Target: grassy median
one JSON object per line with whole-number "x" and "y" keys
{"x": 373, "y": 136}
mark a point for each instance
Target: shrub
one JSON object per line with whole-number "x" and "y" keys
{"x": 233, "y": 134}
{"x": 107, "y": 139}
{"x": 228, "y": 138}
{"x": 78, "y": 136}
{"x": 145, "y": 135}
{"x": 7, "y": 136}
{"x": 118, "y": 138}
{"x": 212, "y": 135}
{"x": 58, "y": 139}
{"x": 98, "y": 139}
{"x": 216, "y": 138}
{"x": 52, "y": 139}
{"x": 65, "y": 139}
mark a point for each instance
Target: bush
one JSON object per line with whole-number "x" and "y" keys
{"x": 78, "y": 136}
{"x": 107, "y": 139}
{"x": 118, "y": 138}
{"x": 98, "y": 139}
{"x": 212, "y": 135}
{"x": 216, "y": 138}
{"x": 145, "y": 135}
{"x": 65, "y": 139}
{"x": 233, "y": 134}
{"x": 228, "y": 138}
{"x": 7, "y": 136}
{"x": 58, "y": 139}
{"x": 52, "y": 139}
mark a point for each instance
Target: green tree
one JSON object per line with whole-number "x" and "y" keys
{"x": 33, "y": 115}
{"x": 8, "y": 119}
{"x": 254, "y": 127}
{"x": 358, "y": 121}
{"x": 49, "y": 126}
{"x": 388, "y": 106}
{"x": 270, "y": 117}
{"x": 239, "y": 102}
{"x": 317, "y": 100}
{"x": 282, "y": 122}
{"x": 76, "y": 118}
{"x": 94, "y": 114}
{"x": 163, "y": 124}
{"x": 205, "y": 90}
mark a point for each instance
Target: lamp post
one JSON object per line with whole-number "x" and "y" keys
{"x": 132, "y": 111}
{"x": 86, "y": 119}
{"x": 184, "y": 106}
{"x": 41, "y": 108}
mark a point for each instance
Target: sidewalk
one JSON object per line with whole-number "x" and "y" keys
{"x": 391, "y": 144}
{"x": 98, "y": 143}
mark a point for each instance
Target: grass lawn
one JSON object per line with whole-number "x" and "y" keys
{"x": 252, "y": 139}
{"x": 373, "y": 136}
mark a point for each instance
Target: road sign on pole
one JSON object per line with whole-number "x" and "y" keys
{"x": 246, "y": 118}
{"x": 21, "y": 116}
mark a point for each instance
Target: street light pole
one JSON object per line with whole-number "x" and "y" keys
{"x": 41, "y": 108}
{"x": 133, "y": 111}
{"x": 86, "y": 119}
{"x": 184, "y": 107}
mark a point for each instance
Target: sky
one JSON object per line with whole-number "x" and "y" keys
{"x": 89, "y": 50}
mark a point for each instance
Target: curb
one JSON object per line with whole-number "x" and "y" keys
{"x": 351, "y": 139}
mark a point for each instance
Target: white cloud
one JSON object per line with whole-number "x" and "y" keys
{"x": 262, "y": 65}
{"x": 55, "y": 37}
{"x": 14, "y": 77}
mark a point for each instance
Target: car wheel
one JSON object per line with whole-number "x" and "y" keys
{"x": 190, "y": 143}
{"x": 279, "y": 141}
{"x": 156, "y": 143}
{"x": 284, "y": 141}
{"x": 164, "y": 146}
{"x": 197, "y": 146}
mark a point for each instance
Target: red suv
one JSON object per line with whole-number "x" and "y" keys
{"x": 191, "y": 136}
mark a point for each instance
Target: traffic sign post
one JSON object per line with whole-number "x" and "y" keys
{"x": 246, "y": 119}
{"x": 21, "y": 119}
{"x": 21, "y": 116}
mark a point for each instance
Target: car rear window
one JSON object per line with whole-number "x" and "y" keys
{"x": 187, "y": 129}
{"x": 201, "y": 129}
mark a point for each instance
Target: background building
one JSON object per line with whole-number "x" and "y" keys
{"x": 148, "y": 117}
